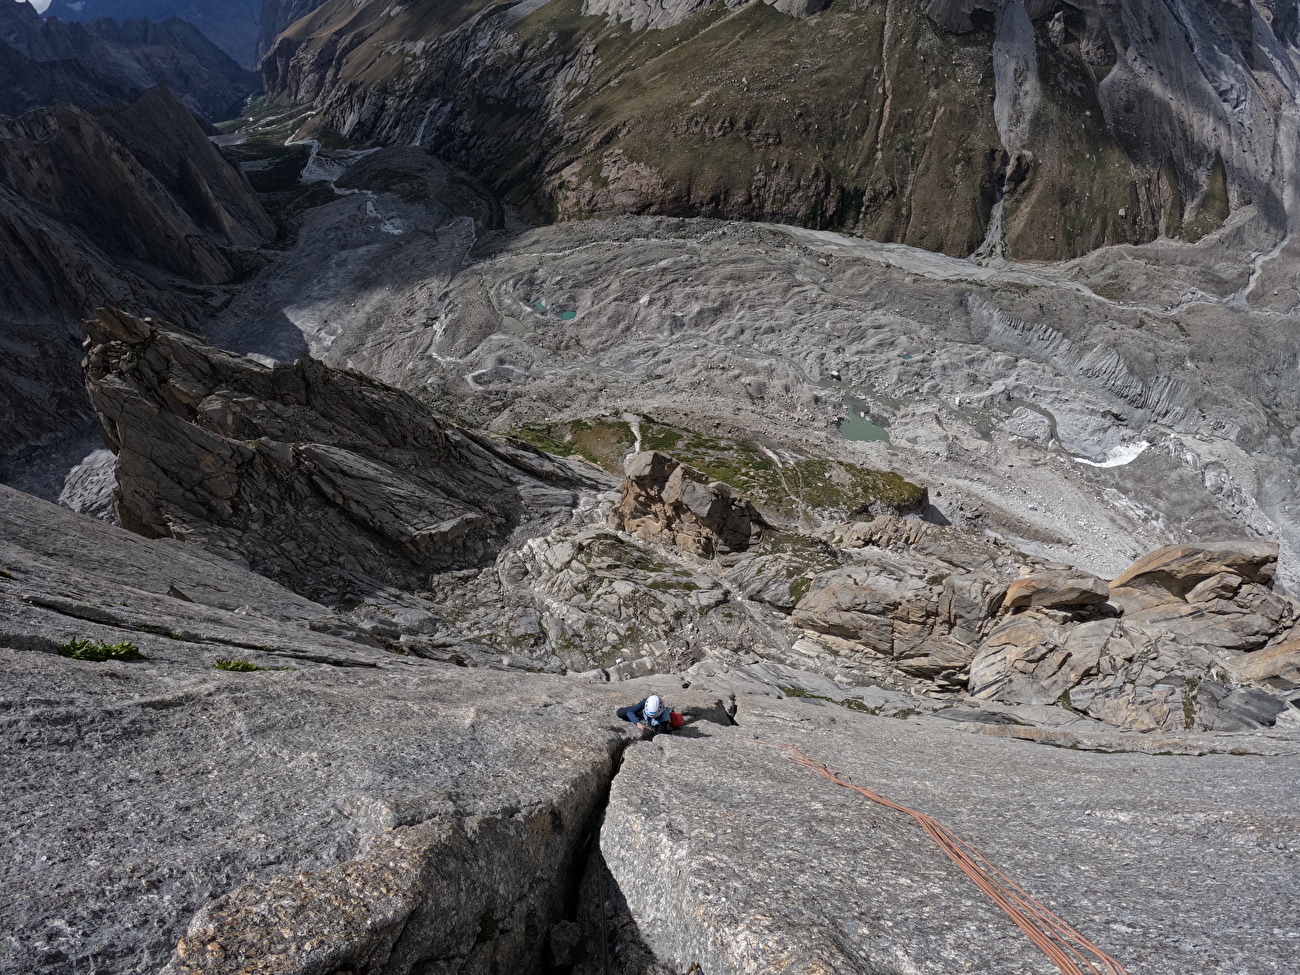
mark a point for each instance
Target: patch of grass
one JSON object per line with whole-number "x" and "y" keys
{"x": 1190, "y": 692}
{"x": 850, "y": 703}
{"x": 800, "y": 692}
{"x": 784, "y": 488}
{"x": 240, "y": 666}
{"x": 98, "y": 651}
{"x": 853, "y": 704}
{"x": 601, "y": 441}
{"x": 237, "y": 666}
{"x": 332, "y": 140}
{"x": 799, "y": 588}
{"x": 285, "y": 164}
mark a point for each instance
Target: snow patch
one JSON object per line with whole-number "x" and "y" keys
{"x": 1118, "y": 456}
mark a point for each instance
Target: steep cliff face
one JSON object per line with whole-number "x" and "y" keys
{"x": 135, "y": 207}
{"x": 1094, "y": 124}
{"x": 321, "y": 477}
{"x": 276, "y": 16}
{"x": 231, "y": 25}
{"x": 103, "y": 63}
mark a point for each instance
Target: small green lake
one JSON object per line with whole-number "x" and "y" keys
{"x": 857, "y": 424}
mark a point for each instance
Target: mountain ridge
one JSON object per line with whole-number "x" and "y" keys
{"x": 135, "y": 206}
{"x": 231, "y": 25}
{"x": 106, "y": 63}
{"x": 744, "y": 112}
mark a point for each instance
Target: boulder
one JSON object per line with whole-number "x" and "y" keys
{"x": 1176, "y": 570}
{"x": 1218, "y": 625}
{"x": 670, "y": 503}
{"x": 1033, "y": 659}
{"x": 937, "y": 657}
{"x": 884, "y": 607}
{"x": 1056, "y": 589}
{"x": 1278, "y": 665}
{"x": 773, "y": 580}
{"x": 904, "y": 605}
{"x": 1159, "y": 670}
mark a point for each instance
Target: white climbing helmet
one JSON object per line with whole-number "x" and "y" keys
{"x": 653, "y": 706}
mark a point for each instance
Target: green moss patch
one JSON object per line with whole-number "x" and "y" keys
{"x": 786, "y": 487}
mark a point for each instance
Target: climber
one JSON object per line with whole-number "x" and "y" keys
{"x": 650, "y": 714}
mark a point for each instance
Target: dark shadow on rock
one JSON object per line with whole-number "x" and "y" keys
{"x": 279, "y": 339}
{"x": 934, "y": 516}
{"x": 618, "y": 938}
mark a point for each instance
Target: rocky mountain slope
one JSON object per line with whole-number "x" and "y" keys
{"x": 326, "y": 480}
{"x": 231, "y": 25}
{"x": 105, "y": 63}
{"x": 408, "y": 502}
{"x": 1042, "y": 131}
{"x": 410, "y": 780}
{"x": 134, "y": 206}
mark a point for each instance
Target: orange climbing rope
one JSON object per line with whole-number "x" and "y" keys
{"x": 1063, "y": 945}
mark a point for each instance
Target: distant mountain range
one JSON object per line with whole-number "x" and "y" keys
{"x": 244, "y": 29}
{"x": 105, "y": 63}
{"x": 232, "y": 25}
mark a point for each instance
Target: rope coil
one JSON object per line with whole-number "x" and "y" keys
{"x": 1062, "y": 944}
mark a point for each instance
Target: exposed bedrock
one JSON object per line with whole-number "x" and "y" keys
{"x": 364, "y": 810}
{"x": 342, "y": 808}
{"x": 726, "y": 854}
{"x": 323, "y": 478}
{"x": 1160, "y": 653}
{"x": 136, "y": 195}
{"x": 276, "y": 15}
{"x": 110, "y": 62}
{"x": 344, "y": 490}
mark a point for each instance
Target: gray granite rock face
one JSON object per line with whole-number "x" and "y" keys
{"x": 345, "y": 806}
{"x": 725, "y": 854}
{"x": 1058, "y": 589}
{"x": 367, "y": 802}
{"x": 1160, "y": 654}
